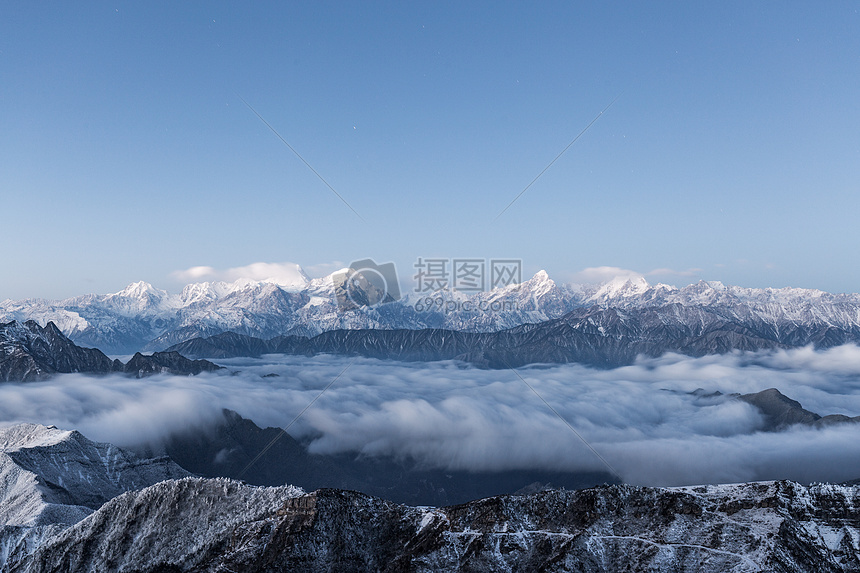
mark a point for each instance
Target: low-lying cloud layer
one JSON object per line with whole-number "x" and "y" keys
{"x": 642, "y": 418}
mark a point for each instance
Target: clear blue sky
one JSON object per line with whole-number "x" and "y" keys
{"x": 125, "y": 153}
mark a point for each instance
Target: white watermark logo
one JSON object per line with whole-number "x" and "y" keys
{"x": 466, "y": 275}
{"x": 366, "y": 283}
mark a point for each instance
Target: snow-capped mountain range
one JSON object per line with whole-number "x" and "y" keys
{"x": 142, "y": 317}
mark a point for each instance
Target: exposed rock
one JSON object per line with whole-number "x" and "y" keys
{"x": 29, "y": 352}
{"x": 599, "y": 337}
{"x": 217, "y": 525}
{"x": 780, "y": 411}
{"x": 166, "y": 363}
{"x": 54, "y": 476}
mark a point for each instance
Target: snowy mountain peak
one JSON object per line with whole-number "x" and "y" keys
{"x": 142, "y": 293}
{"x": 288, "y": 276}
{"x": 540, "y": 284}
{"x": 140, "y": 290}
{"x": 143, "y": 317}
{"x": 199, "y": 292}
{"x": 302, "y": 279}
{"x": 623, "y": 286}
{"x": 540, "y": 277}
{"x": 704, "y": 286}
{"x": 23, "y": 436}
{"x": 59, "y": 476}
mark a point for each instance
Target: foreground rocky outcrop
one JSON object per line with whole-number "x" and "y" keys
{"x": 50, "y": 476}
{"x": 30, "y": 352}
{"x": 202, "y": 525}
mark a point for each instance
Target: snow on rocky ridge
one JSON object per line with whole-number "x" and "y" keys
{"x": 204, "y": 525}
{"x": 50, "y": 476}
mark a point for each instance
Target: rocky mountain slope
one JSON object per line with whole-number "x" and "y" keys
{"x": 29, "y": 352}
{"x": 166, "y": 363}
{"x": 203, "y": 525}
{"x": 52, "y": 476}
{"x": 141, "y": 317}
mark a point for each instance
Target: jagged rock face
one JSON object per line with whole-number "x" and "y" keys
{"x": 30, "y": 352}
{"x": 172, "y": 526}
{"x": 218, "y": 525}
{"x": 166, "y": 363}
{"x": 779, "y": 410}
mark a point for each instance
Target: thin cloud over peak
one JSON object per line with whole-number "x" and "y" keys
{"x": 287, "y": 274}
{"x": 598, "y": 275}
{"x": 664, "y": 271}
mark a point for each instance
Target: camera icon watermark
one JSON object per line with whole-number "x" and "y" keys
{"x": 365, "y": 284}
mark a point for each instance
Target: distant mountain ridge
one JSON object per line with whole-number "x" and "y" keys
{"x": 29, "y": 352}
{"x": 141, "y": 317}
{"x": 603, "y": 337}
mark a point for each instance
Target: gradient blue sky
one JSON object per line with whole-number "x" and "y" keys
{"x": 733, "y": 150}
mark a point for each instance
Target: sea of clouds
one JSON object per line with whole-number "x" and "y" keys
{"x": 644, "y": 420}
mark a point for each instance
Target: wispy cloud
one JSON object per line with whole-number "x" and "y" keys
{"x": 666, "y": 272}
{"x": 281, "y": 273}
{"x": 325, "y": 269}
{"x": 596, "y": 275}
